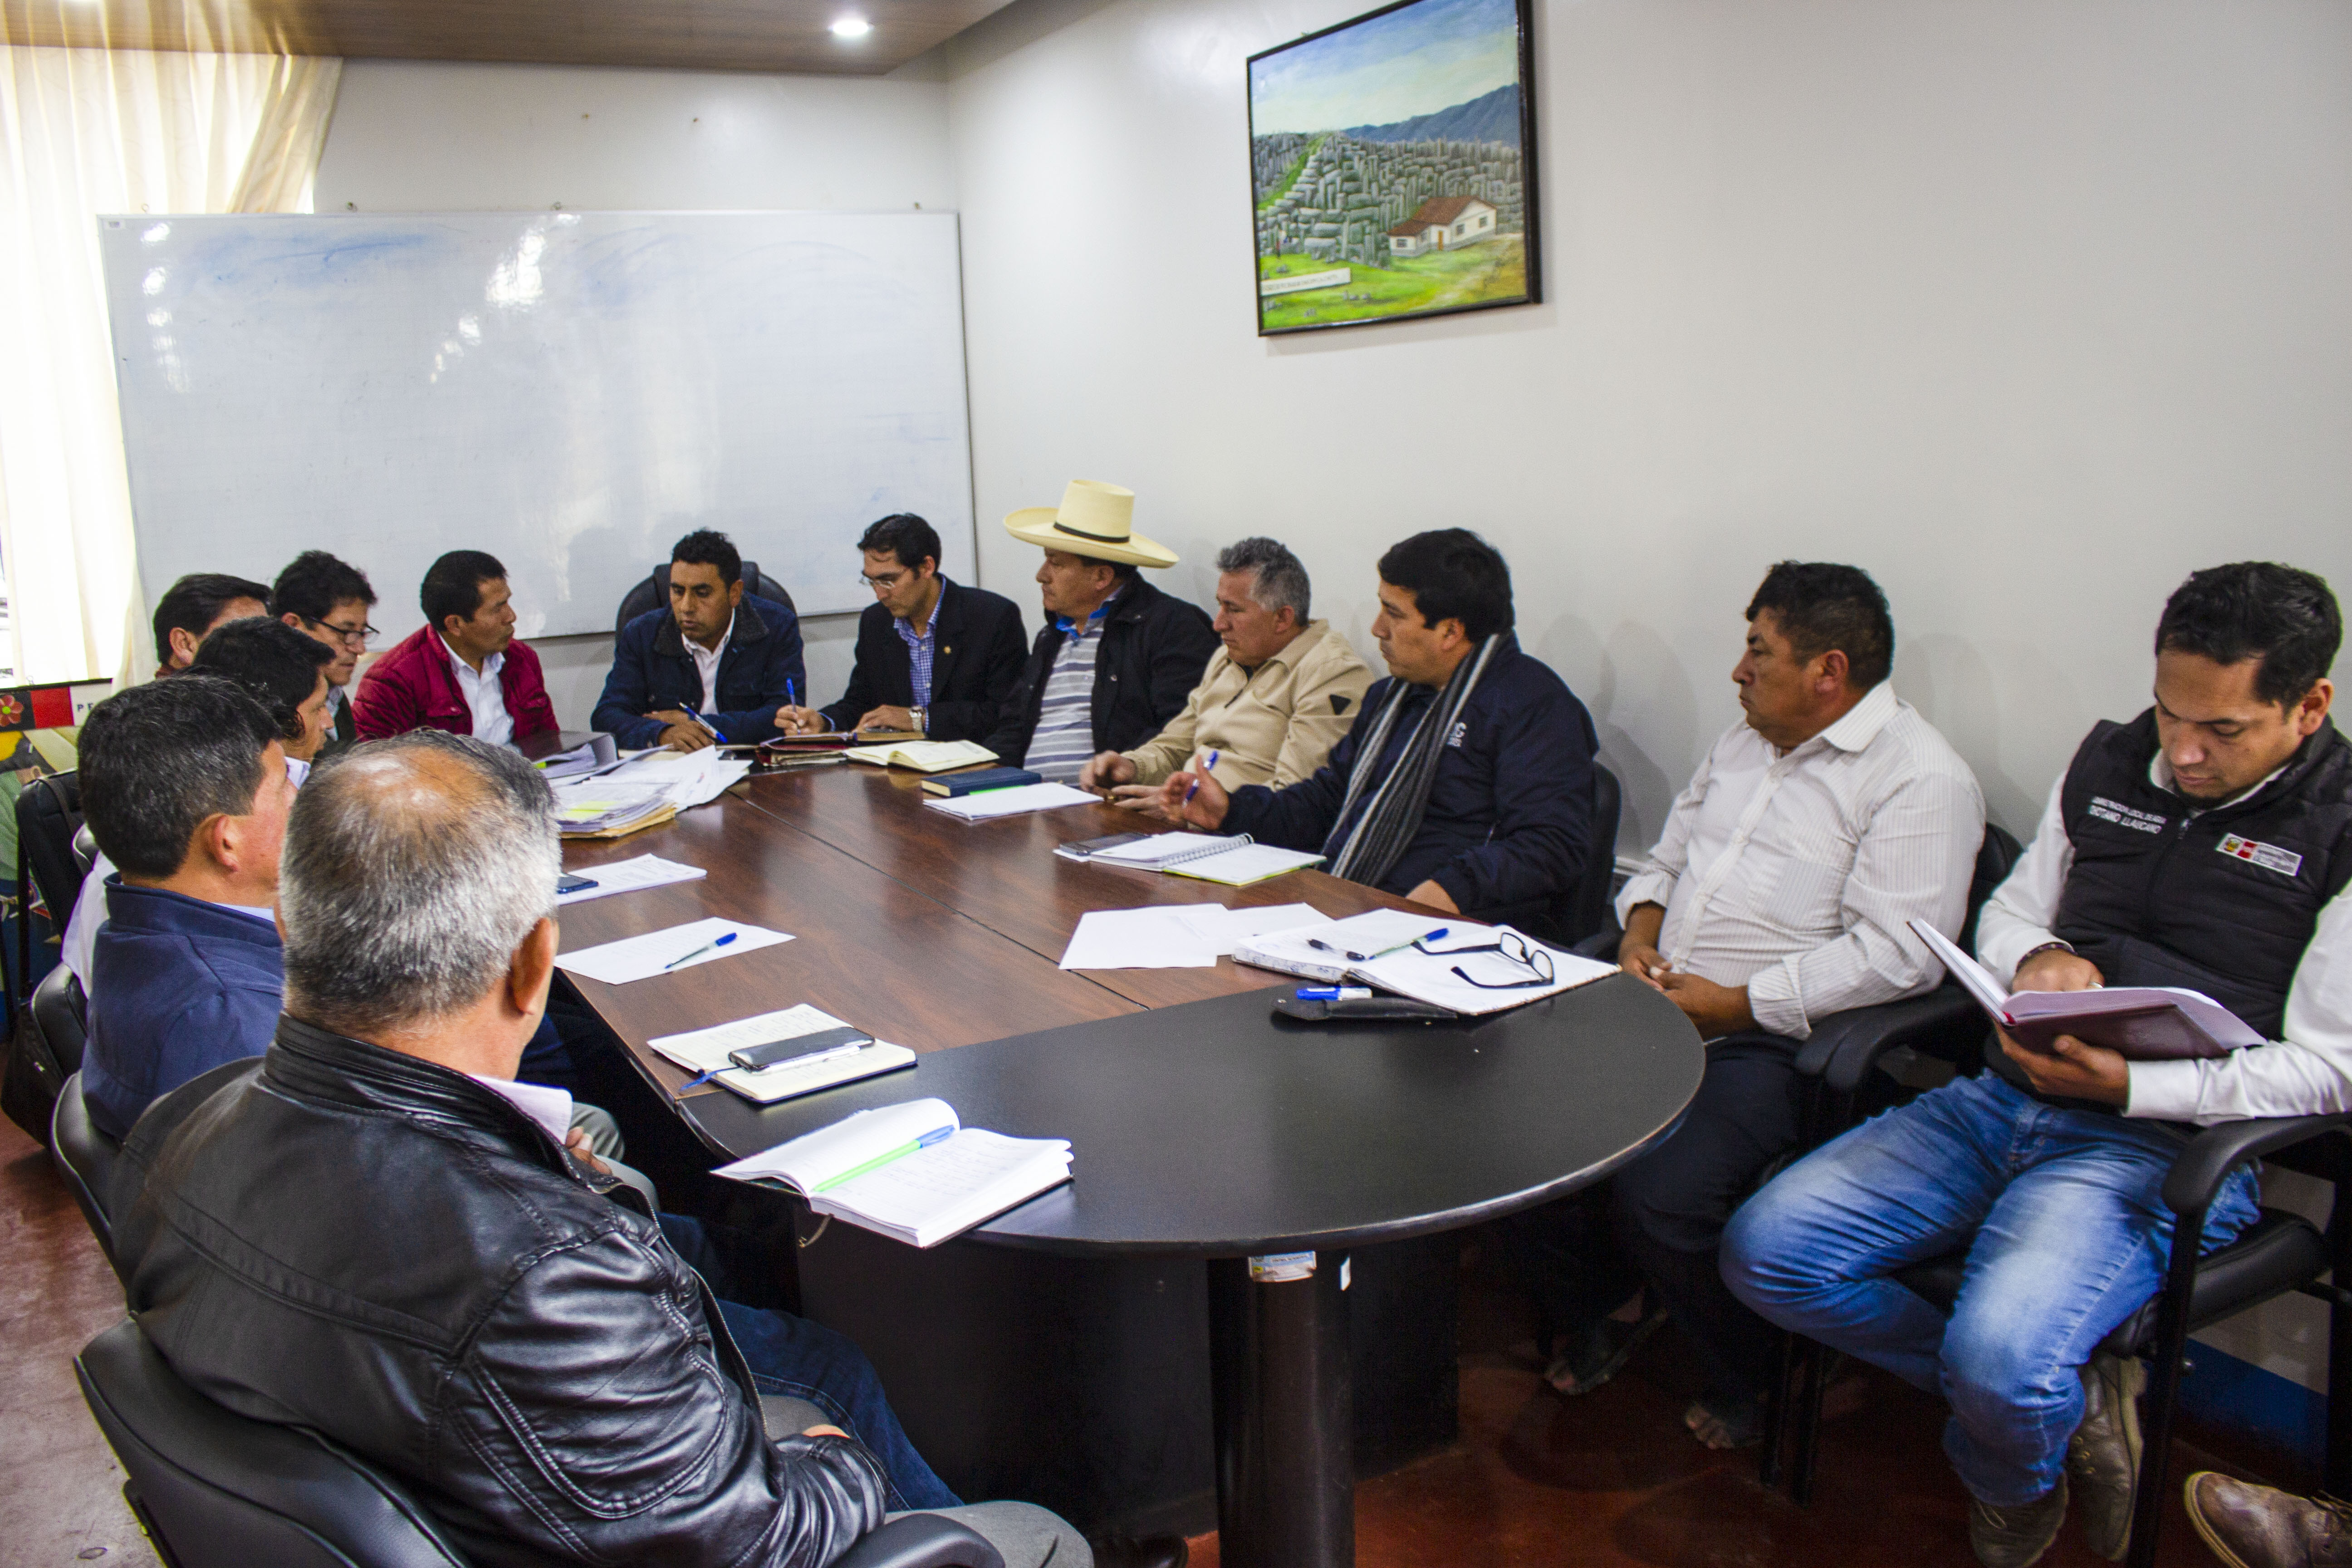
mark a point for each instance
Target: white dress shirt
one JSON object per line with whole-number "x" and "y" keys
{"x": 1792, "y": 873}
{"x": 706, "y": 665}
{"x": 485, "y": 698}
{"x": 543, "y": 1103}
{"x": 2309, "y": 1073}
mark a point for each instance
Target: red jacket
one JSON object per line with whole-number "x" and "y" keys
{"x": 412, "y": 686}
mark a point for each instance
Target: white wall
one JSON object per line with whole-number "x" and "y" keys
{"x": 2029, "y": 308}
{"x": 431, "y": 137}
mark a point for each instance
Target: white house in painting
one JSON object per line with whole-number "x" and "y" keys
{"x": 1441, "y": 222}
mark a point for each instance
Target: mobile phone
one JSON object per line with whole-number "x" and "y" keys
{"x": 751, "y": 1058}
{"x": 565, "y": 882}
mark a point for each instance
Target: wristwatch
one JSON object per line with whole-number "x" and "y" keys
{"x": 2053, "y": 945}
{"x": 922, "y": 718}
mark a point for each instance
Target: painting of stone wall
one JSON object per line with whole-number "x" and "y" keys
{"x": 1391, "y": 166}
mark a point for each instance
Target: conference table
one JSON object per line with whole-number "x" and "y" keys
{"x": 1204, "y": 1127}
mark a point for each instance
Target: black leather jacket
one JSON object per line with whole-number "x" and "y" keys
{"x": 345, "y": 1239}
{"x": 1154, "y": 650}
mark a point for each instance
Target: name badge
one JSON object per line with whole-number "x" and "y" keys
{"x": 2269, "y": 856}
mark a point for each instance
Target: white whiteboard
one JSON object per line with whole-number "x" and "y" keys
{"x": 568, "y": 390}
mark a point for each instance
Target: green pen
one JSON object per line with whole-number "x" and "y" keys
{"x": 939, "y": 1135}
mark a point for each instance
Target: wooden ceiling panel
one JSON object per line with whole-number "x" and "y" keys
{"x": 702, "y": 34}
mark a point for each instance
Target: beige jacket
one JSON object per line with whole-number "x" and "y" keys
{"x": 1272, "y": 726}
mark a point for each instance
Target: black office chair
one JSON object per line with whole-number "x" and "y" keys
{"x": 85, "y": 1157}
{"x": 85, "y": 849}
{"x": 216, "y": 1489}
{"x": 1584, "y": 912}
{"x": 652, "y": 594}
{"x": 43, "y": 1051}
{"x": 2279, "y": 1253}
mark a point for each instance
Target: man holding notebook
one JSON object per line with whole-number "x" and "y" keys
{"x": 1466, "y": 782}
{"x": 2205, "y": 844}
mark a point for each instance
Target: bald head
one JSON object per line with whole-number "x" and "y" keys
{"x": 413, "y": 869}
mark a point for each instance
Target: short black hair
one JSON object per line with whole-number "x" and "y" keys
{"x": 277, "y": 665}
{"x": 158, "y": 759}
{"x": 1820, "y": 606}
{"x": 1453, "y": 574}
{"x": 2284, "y": 616}
{"x": 453, "y": 586}
{"x": 195, "y": 601}
{"x": 314, "y": 583}
{"x": 709, "y": 547}
{"x": 904, "y": 535}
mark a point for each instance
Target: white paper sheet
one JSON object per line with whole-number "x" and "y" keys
{"x": 643, "y": 957}
{"x": 1223, "y": 928}
{"x": 1156, "y": 938}
{"x": 628, "y": 877}
{"x": 997, "y": 802}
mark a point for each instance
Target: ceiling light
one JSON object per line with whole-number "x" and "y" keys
{"x": 852, "y": 27}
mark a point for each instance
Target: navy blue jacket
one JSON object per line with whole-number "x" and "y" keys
{"x": 177, "y": 987}
{"x": 652, "y": 671}
{"x": 1508, "y": 829}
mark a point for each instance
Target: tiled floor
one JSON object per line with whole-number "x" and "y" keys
{"x": 1608, "y": 1479}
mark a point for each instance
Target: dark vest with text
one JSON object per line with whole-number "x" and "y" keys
{"x": 2222, "y": 900}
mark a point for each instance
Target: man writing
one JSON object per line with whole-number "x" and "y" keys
{"x": 480, "y": 1310}
{"x": 1116, "y": 658}
{"x": 932, "y": 654}
{"x": 716, "y": 662}
{"x": 1780, "y": 892}
{"x": 462, "y": 671}
{"x": 325, "y": 599}
{"x": 1466, "y": 781}
{"x": 2206, "y": 844}
{"x": 1273, "y": 702}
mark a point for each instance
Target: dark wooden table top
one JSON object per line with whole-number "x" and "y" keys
{"x": 1005, "y": 876}
{"x": 1216, "y": 1129}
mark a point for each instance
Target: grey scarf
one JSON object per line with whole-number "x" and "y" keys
{"x": 1367, "y": 850}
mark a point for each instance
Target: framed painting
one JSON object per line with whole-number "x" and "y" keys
{"x": 1393, "y": 167}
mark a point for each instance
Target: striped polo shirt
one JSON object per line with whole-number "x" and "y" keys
{"x": 1063, "y": 740}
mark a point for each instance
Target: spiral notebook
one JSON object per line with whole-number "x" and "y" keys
{"x": 1234, "y": 862}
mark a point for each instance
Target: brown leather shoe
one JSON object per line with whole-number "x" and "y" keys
{"x": 2260, "y": 1527}
{"x": 2017, "y": 1537}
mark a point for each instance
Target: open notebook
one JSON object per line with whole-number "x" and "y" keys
{"x": 923, "y": 756}
{"x": 707, "y": 1050}
{"x": 1235, "y": 862}
{"x": 2146, "y": 1022}
{"x": 910, "y": 1171}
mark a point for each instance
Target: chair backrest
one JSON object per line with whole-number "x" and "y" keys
{"x": 1996, "y": 858}
{"x": 1589, "y": 912}
{"x": 48, "y": 814}
{"x": 654, "y": 593}
{"x": 220, "y": 1491}
{"x": 61, "y": 1013}
{"x": 85, "y": 849}
{"x": 85, "y": 1158}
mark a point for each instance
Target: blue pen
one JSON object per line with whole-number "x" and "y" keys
{"x": 1206, "y": 767}
{"x": 1323, "y": 994}
{"x": 687, "y": 707}
{"x": 699, "y": 951}
{"x": 1319, "y": 943}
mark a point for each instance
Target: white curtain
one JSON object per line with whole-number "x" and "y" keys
{"x": 85, "y": 132}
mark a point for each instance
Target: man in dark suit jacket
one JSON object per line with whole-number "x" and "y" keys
{"x": 932, "y": 654}
{"x": 715, "y": 652}
{"x": 1118, "y": 659}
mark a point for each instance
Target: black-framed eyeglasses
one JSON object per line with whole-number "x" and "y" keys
{"x": 1511, "y": 947}
{"x": 356, "y": 636}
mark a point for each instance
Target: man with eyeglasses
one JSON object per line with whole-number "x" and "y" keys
{"x": 327, "y": 600}
{"x": 1779, "y": 893}
{"x": 932, "y": 654}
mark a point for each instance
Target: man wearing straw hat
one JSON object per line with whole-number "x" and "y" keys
{"x": 1118, "y": 659}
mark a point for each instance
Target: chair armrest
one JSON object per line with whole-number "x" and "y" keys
{"x": 920, "y": 1541}
{"x": 1846, "y": 1046}
{"x": 2199, "y": 1170}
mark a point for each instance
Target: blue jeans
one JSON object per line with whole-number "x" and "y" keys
{"x": 792, "y": 1356}
{"x": 2061, "y": 1214}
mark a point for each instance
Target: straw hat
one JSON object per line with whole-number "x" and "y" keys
{"x": 1094, "y": 520}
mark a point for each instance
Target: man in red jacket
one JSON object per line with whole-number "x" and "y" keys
{"x": 462, "y": 671}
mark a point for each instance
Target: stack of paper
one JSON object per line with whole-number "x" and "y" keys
{"x": 1373, "y": 932}
{"x": 923, "y": 756}
{"x": 707, "y": 1050}
{"x": 592, "y": 756}
{"x": 668, "y": 952}
{"x": 1459, "y": 970}
{"x": 628, "y": 876}
{"x": 690, "y": 778}
{"x": 1175, "y": 936}
{"x": 1012, "y": 802}
{"x": 598, "y": 808}
{"x": 910, "y": 1171}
